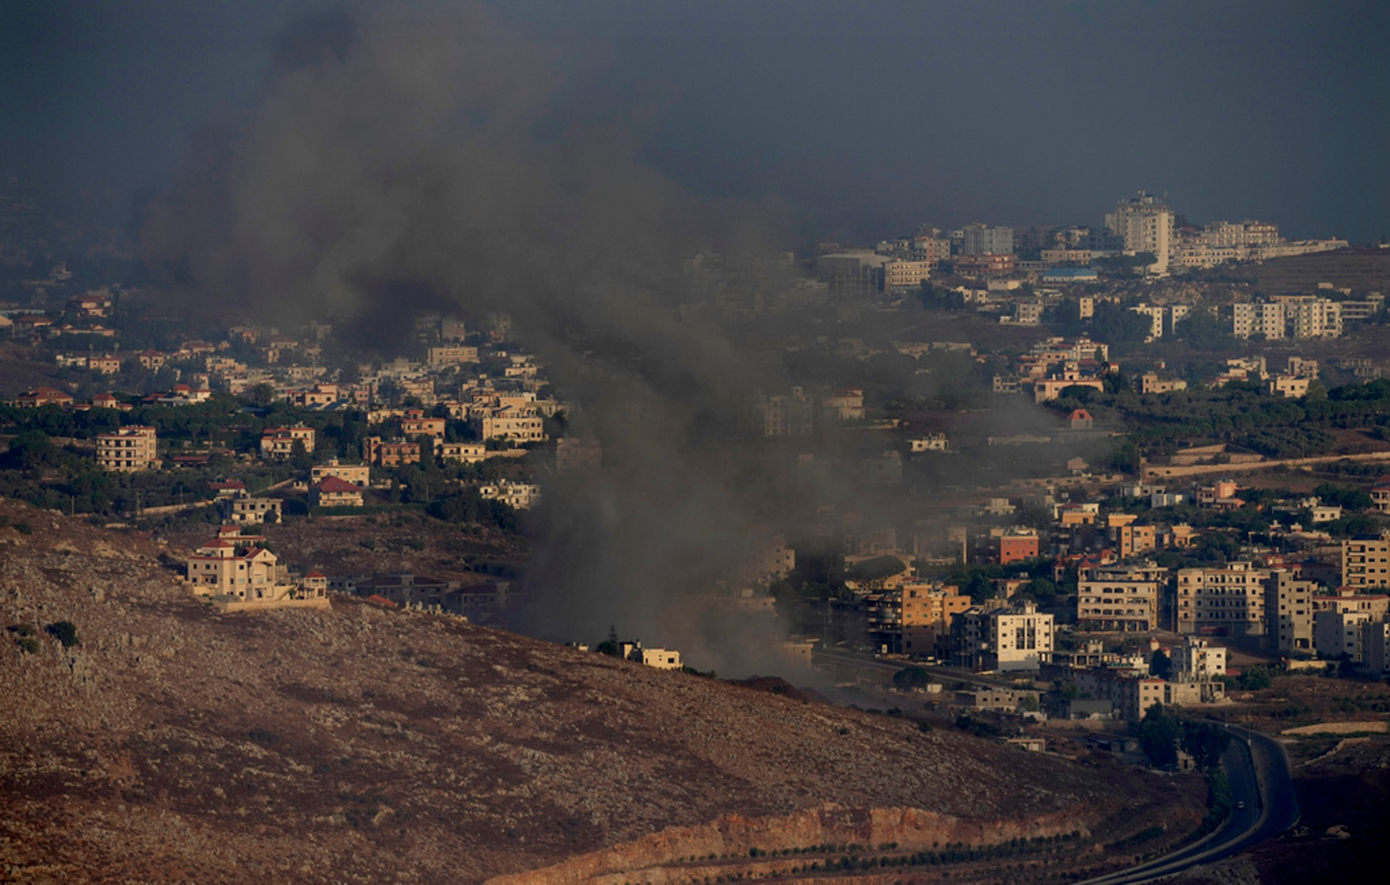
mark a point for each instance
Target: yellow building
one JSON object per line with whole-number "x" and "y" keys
{"x": 1366, "y": 562}
{"x": 128, "y": 450}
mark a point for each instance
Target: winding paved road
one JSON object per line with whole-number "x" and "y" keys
{"x": 1258, "y": 769}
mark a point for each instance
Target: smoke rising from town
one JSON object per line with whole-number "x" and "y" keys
{"x": 394, "y": 165}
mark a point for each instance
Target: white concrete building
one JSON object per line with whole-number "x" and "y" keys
{"x": 1146, "y": 224}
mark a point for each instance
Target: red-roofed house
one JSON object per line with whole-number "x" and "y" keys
{"x": 335, "y": 492}
{"x": 42, "y": 396}
{"x": 238, "y": 576}
{"x": 315, "y": 582}
{"x": 1080, "y": 419}
{"x": 231, "y": 488}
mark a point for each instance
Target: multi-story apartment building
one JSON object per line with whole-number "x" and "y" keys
{"x": 519, "y": 495}
{"x": 1287, "y": 386}
{"x": 1245, "y": 233}
{"x": 852, "y": 274}
{"x": 1337, "y": 633}
{"x": 1228, "y": 601}
{"x": 357, "y": 474}
{"x": 914, "y": 619}
{"x": 1199, "y": 659}
{"x": 1289, "y": 612}
{"x": 1120, "y": 598}
{"x": 464, "y": 452}
{"x": 1309, "y": 316}
{"x": 451, "y": 355}
{"x": 278, "y": 442}
{"x": 1374, "y": 605}
{"x": 390, "y": 453}
{"x": 981, "y": 239}
{"x": 1380, "y": 496}
{"x": 503, "y": 424}
{"x": 1146, "y": 224}
{"x": 1258, "y": 318}
{"x": 1375, "y": 646}
{"x": 1130, "y": 539}
{"x": 1004, "y": 639}
{"x": 129, "y": 449}
{"x": 790, "y": 414}
{"x": 1366, "y": 561}
{"x": 254, "y": 510}
{"x": 1155, "y": 314}
{"x": 904, "y": 274}
{"x": 1013, "y": 544}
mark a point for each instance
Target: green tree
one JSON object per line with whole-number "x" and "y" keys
{"x": 911, "y": 677}
{"x": 1256, "y": 679}
{"x": 1161, "y": 665}
{"x": 300, "y": 459}
{"x": 872, "y": 573}
{"x": 1158, "y": 736}
{"x": 65, "y": 632}
{"x": 262, "y": 394}
{"x": 1205, "y": 742}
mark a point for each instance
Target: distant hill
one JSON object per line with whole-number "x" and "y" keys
{"x": 1361, "y": 269}
{"x": 153, "y": 740}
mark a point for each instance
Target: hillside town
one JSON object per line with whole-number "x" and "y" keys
{"x": 1126, "y": 476}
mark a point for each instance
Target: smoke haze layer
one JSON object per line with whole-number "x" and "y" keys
{"x": 393, "y": 166}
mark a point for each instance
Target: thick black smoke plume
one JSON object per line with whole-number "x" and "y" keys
{"x": 406, "y": 158}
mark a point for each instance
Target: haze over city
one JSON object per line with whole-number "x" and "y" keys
{"x": 866, "y": 119}
{"x": 529, "y": 442}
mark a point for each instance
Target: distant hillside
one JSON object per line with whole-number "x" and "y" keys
{"x": 173, "y": 744}
{"x": 1363, "y": 270}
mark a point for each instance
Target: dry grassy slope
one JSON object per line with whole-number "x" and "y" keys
{"x": 360, "y": 745}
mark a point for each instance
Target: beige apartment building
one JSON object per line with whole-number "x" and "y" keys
{"x": 1007, "y": 639}
{"x": 1366, "y": 562}
{"x": 1228, "y": 601}
{"x": 1265, "y": 319}
{"x": 1119, "y": 599}
{"x": 129, "y": 449}
{"x": 515, "y": 428}
{"x": 1289, "y": 612}
{"x": 278, "y": 442}
{"x": 357, "y": 474}
{"x": 464, "y": 452}
{"x": 451, "y": 355}
{"x": 252, "y": 511}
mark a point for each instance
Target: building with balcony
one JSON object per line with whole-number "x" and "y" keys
{"x": 1119, "y": 598}
{"x": 1226, "y": 601}
{"x": 1366, "y": 561}
{"x": 129, "y": 449}
{"x": 1289, "y": 612}
{"x": 1004, "y": 639}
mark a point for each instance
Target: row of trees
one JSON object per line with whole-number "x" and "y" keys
{"x": 1162, "y": 733}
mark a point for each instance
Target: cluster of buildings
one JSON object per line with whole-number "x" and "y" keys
{"x": 797, "y": 412}
{"x": 1140, "y": 225}
{"x": 1301, "y": 316}
{"x": 1055, "y": 364}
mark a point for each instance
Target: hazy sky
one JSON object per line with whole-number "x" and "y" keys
{"x": 866, "y": 117}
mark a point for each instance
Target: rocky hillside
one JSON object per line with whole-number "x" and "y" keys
{"x": 145, "y": 738}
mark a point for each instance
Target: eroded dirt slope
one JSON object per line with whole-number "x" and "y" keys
{"x": 365, "y": 745}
